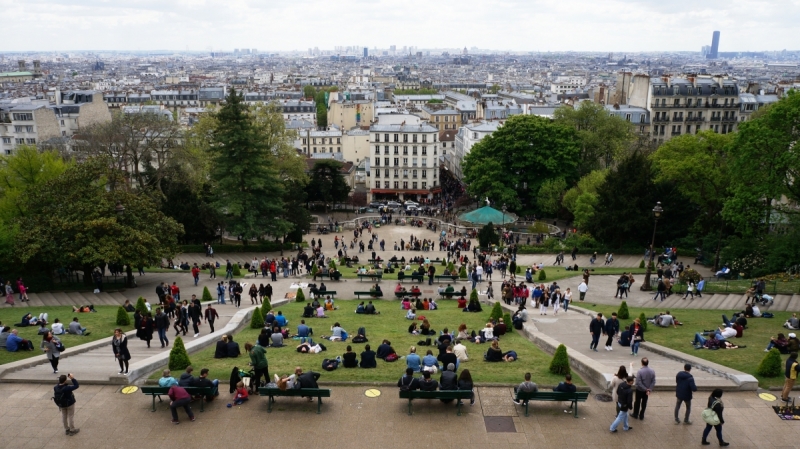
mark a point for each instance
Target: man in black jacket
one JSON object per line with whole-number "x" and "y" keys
{"x": 684, "y": 386}
{"x": 625, "y": 402}
{"x": 204, "y": 381}
{"x": 162, "y": 325}
{"x": 408, "y": 382}
{"x": 596, "y": 328}
{"x": 196, "y": 314}
{"x": 65, "y": 399}
{"x": 449, "y": 380}
{"x": 306, "y": 380}
{"x": 612, "y": 329}
{"x": 427, "y": 383}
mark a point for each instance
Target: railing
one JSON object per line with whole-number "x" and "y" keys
{"x": 660, "y": 119}
{"x": 695, "y": 119}
{"x": 716, "y": 119}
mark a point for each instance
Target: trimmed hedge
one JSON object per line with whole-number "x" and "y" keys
{"x": 178, "y": 357}
{"x": 140, "y": 306}
{"x": 300, "y": 297}
{"x": 560, "y": 362}
{"x": 123, "y": 319}
{"x": 207, "y": 295}
{"x": 771, "y": 365}
{"x": 497, "y": 311}
{"x": 623, "y": 313}
{"x": 642, "y": 321}
{"x": 257, "y": 321}
{"x": 542, "y": 275}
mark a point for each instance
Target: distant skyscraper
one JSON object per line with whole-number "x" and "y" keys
{"x": 714, "y": 46}
{"x": 366, "y": 52}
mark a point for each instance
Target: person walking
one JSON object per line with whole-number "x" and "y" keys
{"x": 145, "y": 329}
{"x": 65, "y": 400}
{"x": 645, "y": 382}
{"x": 51, "y": 345}
{"x": 119, "y": 343}
{"x": 179, "y": 397}
{"x": 715, "y": 404}
{"x": 596, "y": 328}
{"x": 9, "y": 293}
{"x": 211, "y": 315}
{"x": 792, "y": 368}
{"x": 612, "y": 329}
{"x": 196, "y": 314}
{"x": 582, "y": 288}
{"x": 162, "y": 325}
{"x": 624, "y": 400}
{"x": 689, "y": 289}
{"x": 684, "y": 386}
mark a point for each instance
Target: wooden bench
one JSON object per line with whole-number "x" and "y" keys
{"x": 414, "y": 277}
{"x": 374, "y": 276}
{"x": 449, "y": 295}
{"x": 162, "y": 391}
{"x": 319, "y": 393}
{"x": 451, "y": 277}
{"x": 401, "y": 295}
{"x": 553, "y": 396}
{"x": 446, "y": 394}
{"x": 370, "y": 294}
{"x": 331, "y": 293}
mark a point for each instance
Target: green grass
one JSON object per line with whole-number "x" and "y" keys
{"x": 392, "y": 325}
{"x": 756, "y": 336}
{"x": 100, "y": 324}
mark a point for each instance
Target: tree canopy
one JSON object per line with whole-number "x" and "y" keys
{"x": 326, "y": 183}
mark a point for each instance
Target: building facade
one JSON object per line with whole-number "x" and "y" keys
{"x": 347, "y": 115}
{"x": 404, "y": 161}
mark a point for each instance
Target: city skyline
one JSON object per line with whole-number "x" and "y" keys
{"x": 528, "y": 26}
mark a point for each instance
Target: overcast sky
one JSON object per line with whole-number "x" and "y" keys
{"x": 514, "y": 25}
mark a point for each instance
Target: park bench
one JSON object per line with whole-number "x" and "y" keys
{"x": 445, "y": 394}
{"x": 401, "y": 295}
{"x": 451, "y": 277}
{"x": 373, "y": 261}
{"x": 553, "y": 396}
{"x": 449, "y": 295}
{"x": 373, "y": 276}
{"x": 370, "y": 294}
{"x": 414, "y": 277}
{"x": 318, "y": 393}
{"x": 162, "y": 391}
{"x": 331, "y": 293}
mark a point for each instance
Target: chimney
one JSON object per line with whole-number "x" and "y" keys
{"x": 21, "y": 64}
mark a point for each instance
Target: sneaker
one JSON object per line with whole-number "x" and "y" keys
{"x": 705, "y": 443}
{"x": 175, "y": 422}
{"x": 688, "y": 422}
{"x": 196, "y": 335}
{"x": 595, "y": 349}
{"x": 121, "y": 372}
{"x": 629, "y": 428}
{"x": 192, "y": 418}
{"x": 73, "y": 432}
{"x": 614, "y": 431}
{"x": 677, "y": 421}
{"x": 516, "y": 402}
{"x": 68, "y": 432}
{"x": 55, "y": 371}
{"x": 766, "y": 350}
{"x": 610, "y": 348}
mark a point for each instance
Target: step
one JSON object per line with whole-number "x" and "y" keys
{"x": 794, "y": 303}
{"x": 60, "y": 299}
{"x": 732, "y": 302}
{"x": 714, "y": 301}
{"x": 119, "y": 298}
{"x": 781, "y": 303}
{"x": 35, "y": 300}
{"x": 75, "y": 299}
{"x": 104, "y": 299}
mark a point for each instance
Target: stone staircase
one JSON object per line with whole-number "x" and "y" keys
{"x": 73, "y": 299}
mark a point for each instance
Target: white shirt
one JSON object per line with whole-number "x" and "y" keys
{"x": 480, "y": 270}
{"x": 488, "y": 333}
{"x": 728, "y": 332}
{"x": 756, "y": 312}
{"x": 58, "y": 328}
{"x": 583, "y": 287}
{"x": 461, "y": 352}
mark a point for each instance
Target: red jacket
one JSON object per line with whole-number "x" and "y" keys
{"x": 272, "y": 267}
{"x": 177, "y": 393}
{"x": 195, "y": 271}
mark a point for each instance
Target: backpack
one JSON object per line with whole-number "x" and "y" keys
{"x": 391, "y": 357}
{"x": 403, "y": 386}
{"x": 710, "y": 416}
{"x": 362, "y": 331}
{"x": 61, "y": 397}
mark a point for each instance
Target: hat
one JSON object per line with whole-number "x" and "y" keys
{"x": 792, "y": 335}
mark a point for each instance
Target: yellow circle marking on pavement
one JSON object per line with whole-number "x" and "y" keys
{"x": 130, "y": 389}
{"x": 372, "y": 393}
{"x": 767, "y": 397}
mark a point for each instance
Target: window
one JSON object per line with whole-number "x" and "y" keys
{"x": 405, "y": 162}
{"x": 688, "y": 129}
{"x": 396, "y": 138}
{"x": 6, "y": 139}
{"x": 424, "y": 173}
{"x": 63, "y": 134}
{"x": 31, "y": 141}
{"x": 677, "y": 102}
{"x": 386, "y": 161}
{"x": 396, "y": 162}
{"x": 405, "y": 150}
{"x": 413, "y": 173}
{"x": 424, "y": 185}
{"x": 414, "y": 185}
{"x": 377, "y": 149}
{"x": 627, "y": 117}
{"x": 396, "y": 149}
{"x": 425, "y": 150}
{"x": 405, "y": 138}
{"x": 424, "y": 138}
{"x": 414, "y": 138}
{"x": 414, "y": 161}
{"x": 405, "y": 184}
{"x": 23, "y": 116}
{"x": 62, "y": 122}
{"x": 385, "y": 137}
{"x": 377, "y": 184}
{"x": 377, "y": 173}
{"x": 386, "y": 173}
{"x": 396, "y": 173}
{"x": 386, "y": 149}
{"x": 424, "y": 162}
{"x": 688, "y": 102}
{"x": 338, "y": 141}
{"x": 20, "y": 141}
{"x": 377, "y": 162}
{"x": 315, "y": 141}
{"x": 396, "y": 184}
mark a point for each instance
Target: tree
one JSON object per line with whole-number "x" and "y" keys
{"x": 766, "y": 165}
{"x": 487, "y": 236}
{"x": 327, "y": 184}
{"x": 511, "y": 165}
{"x": 248, "y": 189}
{"x": 192, "y": 208}
{"x": 497, "y": 311}
{"x": 25, "y": 170}
{"x": 178, "y": 357}
{"x": 72, "y": 221}
{"x": 602, "y": 137}
{"x": 309, "y": 92}
{"x": 140, "y": 306}
{"x": 207, "y": 295}
{"x": 560, "y": 362}
{"x": 123, "y": 319}
{"x": 623, "y": 313}
{"x": 643, "y": 321}
{"x": 580, "y": 200}
{"x": 266, "y": 307}
{"x": 550, "y": 193}
{"x": 770, "y": 365}
{"x": 300, "y": 297}
{"x": 474, "y": 303}
{"x": 495, "y": 88}
{"x": 542, "y": 276}
{"x": 257, "y": 320}
{"x": 462, "y": 273}
{"x": 322, "y": 110}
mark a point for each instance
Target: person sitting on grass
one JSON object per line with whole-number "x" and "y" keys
{"x": 276, "y": 337}
{"x": 360, "y": 308}
{"x": 411, "y": 314}
{"x": 779, "y": 342}
{"x": 368, "y": 359}
{"x": 349, "y": 359}
{"x": 432, "y": 304}
{"x": 429, "y": 363}
{"x": 308, "y": 311}
{"x": 233, "y": 347}
{"x": 58, "y": 327}
{"x": 321, "y": 312}
{"x": 425, "y": 328}
{"x": 792, "y": 323}
{"x": 221, "y": 351}
{"x": 84, "y": 309}
{"x": 384, "y": 350}
{"x": 329, "y": 304}
{"x": 369, "y": 309}
{"x": 127, "y": 306}
{"x": 337, "y": 333}
{"x": 494, "y": 354}
{"x": 406, "y": 304}
{"x": 413, "y": 360}
{"x": 75, "y": 328}
{"x": 462, "y": 302}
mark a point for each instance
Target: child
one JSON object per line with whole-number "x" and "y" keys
{"x": 240, "y": 395}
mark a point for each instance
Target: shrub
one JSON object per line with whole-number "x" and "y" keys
{"x": 652, "y": 266}
{"x": 689, "y": 274}
{"x": 560, "y": 362}
{"x": 507, "y": 320}
{"x": 462, "y": 273}
{"x": 643, "y": 321}
{"x": 314, "y": 270}
{"x": 542, "y": 275}
{"x": 140, "y": 306}
{"x": 178, "y": 358}
{"x": 474, "y": 304}
{"x": 641, "y": 264}
{"x": 444, "y": 262}
{"x": 487, "y": 236}
{"x": 770, "y": 366}
{"x": 236, "y": 270}
{"x": 518, "y": 270}
{"x": 450, "y": 267}
{"x": 623, "y": 312}
{"x": 332, "y": 265}
{"x": 257, "y": 321}
{"x": 123, "y": 319}
{"x": 207, "y": 295}
{"x": 266, "y": 307}
{"x": 497, "y": 311}
{"x": 300, "y": 297}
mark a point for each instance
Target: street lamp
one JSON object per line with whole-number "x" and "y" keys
{"x": 656, "y": 214}
{"x": 504, "y": 215}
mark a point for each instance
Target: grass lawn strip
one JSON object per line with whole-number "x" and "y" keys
{"x": 392, "y": 325}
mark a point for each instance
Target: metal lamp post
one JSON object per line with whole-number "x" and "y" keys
{"x": 656, "y": 214}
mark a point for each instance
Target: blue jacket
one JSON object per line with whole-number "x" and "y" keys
{"x": 12, "y": 344}
{"x": 684, "y": 386}
{"x": 66, "y": 390}
{"x": 281, "y": 320}
{"x": 414, "y": 362}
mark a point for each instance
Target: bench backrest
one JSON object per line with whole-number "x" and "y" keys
{"x": 441, "y": 394}
{"x": 165, "y": 390}
{"x": 553, "y": 395}
{"x": 323, "y": 392}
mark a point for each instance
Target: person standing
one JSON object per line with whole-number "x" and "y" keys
{"x": 700, "y": 285}
{"x": 211, "y": 315}
{"x": 119, "y": 343}
{"x": 624, "y": 400}
{"x": 612, "y": 329}
{"x": 715, "y": 404}
{"x": 637, "y": 336}
{"x": 684, "y": 386}
{"x": 582, "y": 288}
{"x": 179, "y": 397}
{"x": 792, "y": 368}
{"x": 431, "y": 272}
{"x": 258, "y": 358}
{"x": 596, "y": 328}
{"x": 645, "y": 382}
{"x": 162, "y": 324}
{"x": 65, "y": 400}
{"x": 50, "y": 345}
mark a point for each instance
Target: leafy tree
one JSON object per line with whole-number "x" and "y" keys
{"x": 72, "y": 220}
{"x": 560, "y": 362}
{"x": 497, "y": 311}
{"x": 309, "y": 92}
{"x": 25, "y": 170}
{"x": 192, "y": 208}
{"x": 766, "y": 165}
{"x": 495, "y": 89}
{"x": 602, "y": 137}
{"x": 257, "y": 320}
{"x": 248, "y": 189}
{"x": 487, "y": 236}
{"x": 623, "y": 313}
{"x": 327, "y": 184}
{"x": 511, "y": 165}
{"x": 123, "y": 319}
{"x": 140, "y": 306}
{"x": 542, "y": 275}
{"x": 322, "y": 110}
{"x": 550, "y": 193}
{"x": 207, "y": 295}
{"x": 770, "y": 365}
{"x": 300, "y": 297}
{"x": 178, "y": 357}
{"x": 580, "y": 200}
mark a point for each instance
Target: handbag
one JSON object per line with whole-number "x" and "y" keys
{"x": 710, "y": 416}
{"x": 60, "y": 347}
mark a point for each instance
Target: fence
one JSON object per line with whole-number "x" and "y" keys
{"x": 740, "y": 286}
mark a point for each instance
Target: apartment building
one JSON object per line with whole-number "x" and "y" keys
{"x": 441, "y": 116}
{"x": 316, "y": 141}
{"x": 404, "y": 163}
{"x": 349, "y": 114}
{"x": 466, "y": 138}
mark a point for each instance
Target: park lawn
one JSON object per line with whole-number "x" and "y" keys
{"x": 100, "y": 324}
{"x": 392, "y": 325}
{"x": 756, "y": 336}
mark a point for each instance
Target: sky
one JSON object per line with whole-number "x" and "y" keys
{"x": 503, "y": 25}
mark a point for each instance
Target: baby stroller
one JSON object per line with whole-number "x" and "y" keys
{"x": 240, "y": 375}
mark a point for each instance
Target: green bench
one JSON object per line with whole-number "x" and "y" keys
{"x": 414, "y": 277}
{"x": 449, "y": 295}
{"x": 374, "y": 276}
{"x": 162, "y": 391}
{"x": 451, "y": 277}
{"x": 553, "y": 396}
{"x": 446, "y": 394}
{"x": 370, "y": 294}
{"x": 318, "y": 393}
{"x": 331, "y": 293}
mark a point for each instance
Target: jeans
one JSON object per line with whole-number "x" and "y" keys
{"x": 707, "y": 430}
{"x": 595, "y": 341}
{"x": 699, "y": 340}
{"x": 582, "y": 295}
{"x": 162, "y": 336}
{"x": 221, "y": 298}
{"x": 196, "y": 279}
{"x": 726, "y": 321}
{"x": 211, "y": 325}
{"x": 622, "y": 417}
{"x": 640, "y": 403}
{"x": 635, "y": 346}
{"x": 181, "y": 403}
{"x": 678, "y": 409}
{"x": 430, "y": 280}
{"x": 68, "y": 417}
{"x": 566, "y": 305}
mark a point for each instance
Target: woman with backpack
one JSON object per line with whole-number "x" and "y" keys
{"x": 713, "y": 417}
{"x": 52, "y": 347}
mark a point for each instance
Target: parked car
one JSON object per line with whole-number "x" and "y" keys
{"x": 393, "y": 204}
{"x": 411, "y": 203}
{"x": 411, "y": 208}
{"x": 365, "y": 210}
{"x": 375, "y": 204}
